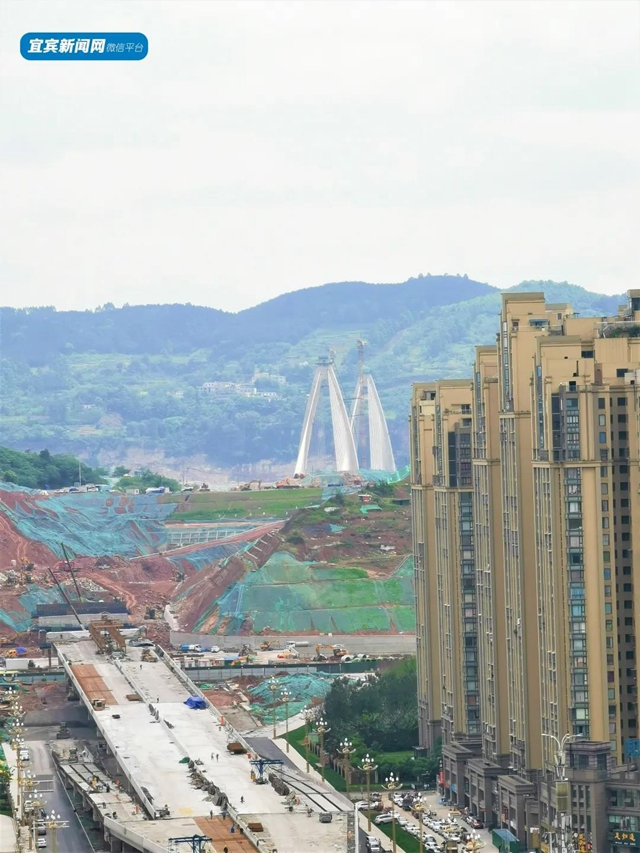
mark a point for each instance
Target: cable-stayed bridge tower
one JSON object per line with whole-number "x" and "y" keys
{"x": 366, "y": 426}
{"x": 345, "y": 450}
{"x": 368, "y": 421}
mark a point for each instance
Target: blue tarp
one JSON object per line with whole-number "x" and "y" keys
{"x": 196, "y": 703}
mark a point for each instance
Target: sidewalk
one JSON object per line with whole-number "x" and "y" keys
{"x": 8, "y": 843}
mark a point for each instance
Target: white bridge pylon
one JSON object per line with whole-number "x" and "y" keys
{"x": 346, "y": 458}
{"x": 366, "y": 396}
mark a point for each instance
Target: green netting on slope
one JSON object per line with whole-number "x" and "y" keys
{"x": 288, "y": 596}
{"x": 303, "y": 687}
{"x": 91, "y": 524}
{"x": 20, "y": 619}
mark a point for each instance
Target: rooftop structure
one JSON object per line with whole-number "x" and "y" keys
{"x": 189, "y": 770}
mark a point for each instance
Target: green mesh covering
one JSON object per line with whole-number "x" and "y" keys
{"x": 303, "y": 688}
{"x": 289, "y": 596}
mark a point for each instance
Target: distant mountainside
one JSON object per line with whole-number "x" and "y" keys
{"x": 115, "y": 379}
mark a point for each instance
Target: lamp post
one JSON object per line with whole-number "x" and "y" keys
{"x": 35, "y": 805}
{"x": 419, "y": 807}
{"x": 28, "y": 783}
{"x": 17, "y": 743}
{"x": 54, "y": 823}
{"x": 308, "y": 718}
{"x": 346, "y": 750}
{"x": 474, "y": 843}
{"x": 368, "y": 768}
{"x": 322, "y": 728}
{"x": 391, "y": 784}
{"x": 560, "y": 763}
{"x": 286, "y": 696}
{"x": 273, "y": 686}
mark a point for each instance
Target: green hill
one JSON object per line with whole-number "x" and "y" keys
{"x": 114, "y": 379}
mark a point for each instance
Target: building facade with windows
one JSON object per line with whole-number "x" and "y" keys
{"x": 540, "y": 452}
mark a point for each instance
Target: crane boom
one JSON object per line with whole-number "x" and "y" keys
{"x": 69, "y": 566}
{"x": 66, "y": 597}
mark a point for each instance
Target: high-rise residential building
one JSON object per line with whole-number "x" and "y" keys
{"x": 423, "y": 528}
{"x": 540, "y": 450}
{"x": 443, "y": 515}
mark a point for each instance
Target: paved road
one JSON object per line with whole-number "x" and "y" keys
{"x": 71, "y": 839}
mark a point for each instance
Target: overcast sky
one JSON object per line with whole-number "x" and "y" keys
{"x": 265, "y": 147}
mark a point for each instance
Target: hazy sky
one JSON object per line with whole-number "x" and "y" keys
{"x": 266, "y": 147}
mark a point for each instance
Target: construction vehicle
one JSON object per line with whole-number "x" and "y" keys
{"x": 288, "y": 653}
{"x": 287, "y": 483}
{"x": 9, "y": 641}
{"x": 63, "y": 732}
{"x": 27, "y": 569}
{"x": 337, "y": 652}
{"x": 246, "y": 487}
{"x": 265, "y": 646}
{"x": 260, "y": 763}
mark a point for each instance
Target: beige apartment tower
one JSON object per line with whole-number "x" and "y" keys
{"x": 423, "y": 527}
{"x": 553, "y": 413}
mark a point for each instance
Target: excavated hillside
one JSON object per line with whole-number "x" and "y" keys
{"x": 342, "y": 567}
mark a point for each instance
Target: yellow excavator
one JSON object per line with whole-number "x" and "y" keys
{"x": 337, "y": 652}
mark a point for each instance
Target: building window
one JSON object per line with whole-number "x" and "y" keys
{"x": 605, "y": 506}
{"x": 602, "y": 437}
{"x": 601, "y": 403}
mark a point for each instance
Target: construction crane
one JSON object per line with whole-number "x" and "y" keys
{"x": 261, "y": 763}
{"x": 66, "y": 597}
{"x": 196, "y": 841}
{"x": 69, "y": 566}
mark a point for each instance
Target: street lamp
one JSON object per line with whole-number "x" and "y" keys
{"x": 308, "y": 718}
{"x": 273, "y": 686}
{"x": 475, "y": 843}
{"x": 368, "y": 767}
{"x": 419, "y": 807}
{"x": 32, "y": 805}
{"x": 392, "y": 783}
{"x": 28, "y": 783}
{"x": 322, "y": 728}
{"x": 286, "y": 696}
{"x": 560, "y": 763}
{"x": 54, "y": 823}
{"x": 346, "y": 750}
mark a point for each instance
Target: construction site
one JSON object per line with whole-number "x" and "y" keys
{"x": 324, "y": 563}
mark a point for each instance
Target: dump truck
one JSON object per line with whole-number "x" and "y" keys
{"x": 194, "y": 648}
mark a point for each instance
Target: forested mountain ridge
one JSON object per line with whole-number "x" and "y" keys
{"x": 116, "y": 378}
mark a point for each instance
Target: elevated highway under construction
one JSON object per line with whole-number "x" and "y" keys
{"x": 171, "y": 766}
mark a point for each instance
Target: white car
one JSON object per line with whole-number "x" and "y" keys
{"x": 384, "y": 818}
{"x": 361, "y": 804}
{"x": 24, "y": 755}
{"x": 41, "y": 842}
